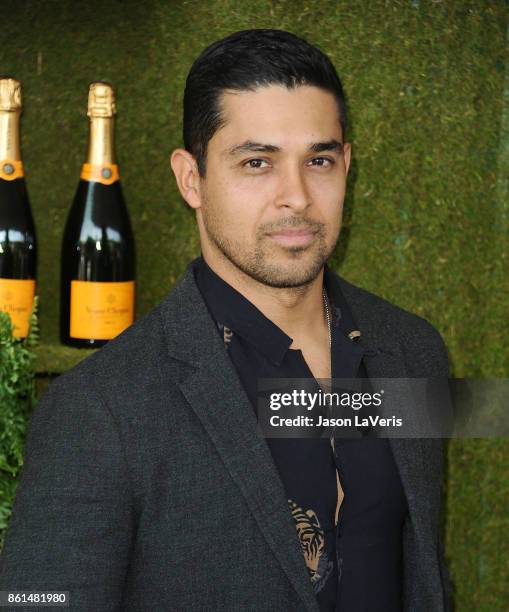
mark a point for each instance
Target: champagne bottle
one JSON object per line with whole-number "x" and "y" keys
{"x": 98, "y": 251}
{"x": 18, "y": 250}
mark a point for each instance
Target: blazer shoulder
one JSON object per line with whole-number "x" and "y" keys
{"x": 130, "y": 367}
{"x": 413, "y": 330}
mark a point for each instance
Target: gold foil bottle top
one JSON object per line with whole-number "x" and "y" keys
{"x": 10, "y": 94}
{"x": 101, "y": 100}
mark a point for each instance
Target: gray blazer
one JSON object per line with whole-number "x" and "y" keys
{"x": 147, "y": 487}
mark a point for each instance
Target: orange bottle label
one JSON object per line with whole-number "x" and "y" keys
{"x": 105, "y": 174}
{"x": 100, "y": 311}
{"x": 17, "y": 299}
{"x": 11, "y": 169}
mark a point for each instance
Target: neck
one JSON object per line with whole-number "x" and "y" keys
{"x": 100, "y": 141}
{"x": 298, "y": 311}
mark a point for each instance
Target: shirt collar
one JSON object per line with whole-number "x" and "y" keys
{"x": 231, "y": 309}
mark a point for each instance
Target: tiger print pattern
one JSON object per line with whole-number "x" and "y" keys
{"x": 312, "y": 541}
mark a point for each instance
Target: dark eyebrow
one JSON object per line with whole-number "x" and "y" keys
{"x": 315, "y": 147}
{"x": 249, "y": 145}
{"x": 330, "y": 145}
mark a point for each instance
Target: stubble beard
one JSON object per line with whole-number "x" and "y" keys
{"x": 268, "y": 262}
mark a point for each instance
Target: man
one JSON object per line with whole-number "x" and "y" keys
{"x": 146, "y": 484}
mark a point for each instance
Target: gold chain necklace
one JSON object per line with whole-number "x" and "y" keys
{"x": 330, "y": 346}
{"x": 328, "y": 316}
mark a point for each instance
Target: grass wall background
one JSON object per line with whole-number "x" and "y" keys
{"x": 427, "y": 213}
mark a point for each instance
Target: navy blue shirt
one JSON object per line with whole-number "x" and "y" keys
{"x": 353, "y": 555}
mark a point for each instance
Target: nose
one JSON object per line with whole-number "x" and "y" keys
{"x": 292, "y": 189}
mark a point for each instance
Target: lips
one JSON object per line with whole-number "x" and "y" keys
{"x": 293, "y": 237}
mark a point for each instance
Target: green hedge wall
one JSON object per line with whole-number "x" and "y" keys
{"x": 427, "y": 213}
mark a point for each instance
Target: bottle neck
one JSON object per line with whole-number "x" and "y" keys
{"x": 100, "y": 141}
{"x": 9, "y": 136}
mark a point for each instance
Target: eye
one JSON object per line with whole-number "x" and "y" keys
{"x": 329, "y": 162}
{"x": 253, "y": 164}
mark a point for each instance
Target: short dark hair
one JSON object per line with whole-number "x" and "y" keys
{"x": 244, "y": 61}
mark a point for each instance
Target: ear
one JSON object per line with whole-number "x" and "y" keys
{"x": 185, "y": 168}
{"x": 347, "y": 154}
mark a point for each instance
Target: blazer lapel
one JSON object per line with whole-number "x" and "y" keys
{"x": 384, "y": 359}
{"x": 408, "y": 452}
{"x": 214, "y": 391}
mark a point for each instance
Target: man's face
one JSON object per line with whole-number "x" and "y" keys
{"x": 278, "y": 165}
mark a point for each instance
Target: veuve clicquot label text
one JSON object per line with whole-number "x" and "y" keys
{"x": 101, "y": 310}
{"x": 17, "y": 299}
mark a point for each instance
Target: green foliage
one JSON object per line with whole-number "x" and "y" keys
{"x": 17, "y": 399}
